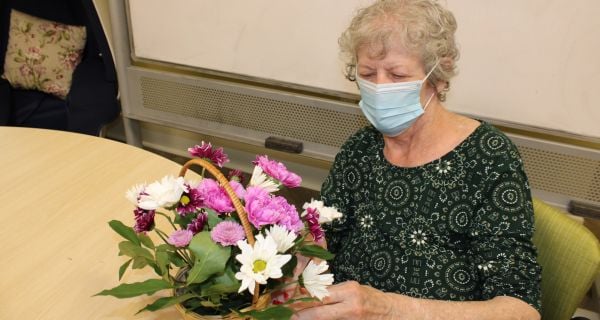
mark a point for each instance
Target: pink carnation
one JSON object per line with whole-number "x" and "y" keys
{"x": 238, "y": 188}
{"x": 257, "y": 200}
{"x": 214, "y": 196}
{"x": 265, "y": 209}
{"x": 227, "y": 233}
{"x": 180, "y": 238}
{"x": 291, "y": 220}
{"x": 278, "y": 171}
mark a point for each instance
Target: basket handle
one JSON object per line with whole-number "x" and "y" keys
{"x": 234, "y": 199}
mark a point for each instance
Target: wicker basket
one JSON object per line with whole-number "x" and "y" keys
{"x": 258, "y": 302}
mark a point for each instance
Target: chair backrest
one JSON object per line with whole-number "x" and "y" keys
{"x": 570, "y": 258}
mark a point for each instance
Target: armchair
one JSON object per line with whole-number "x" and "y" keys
{"x": 570, "y": 258}
{"x": 92, "y": 100}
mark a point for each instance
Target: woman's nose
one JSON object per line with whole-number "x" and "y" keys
{"x": 382, "y": 78}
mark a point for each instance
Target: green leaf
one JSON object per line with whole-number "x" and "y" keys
{"x": 173, "y": 256}
{"x": 166, "y": 302}
{"x": 211, "y": 258}
{"x": 272, "y": 313}
{"x": 128, "y": 290}
{"x": 177, "y": 260}
{"x": 183, "y": 221}
{"x": 146, "y": 241}
{"x": 162, "y": 261}
{"x": 139, "y": 263}
{"x": 222, "y": 284}
{"x": 123, "y": 268}
{"x": 219, "y": 289}
{"x": 213, "y": 218}
{"x": 312, "y": 250}
{"x": 165, "y": 247}
{"x": 288, "y": 268}
{"x": 125, "y": 231}
{"x": 227, "y": 278}
{"x": 132, "y": 250}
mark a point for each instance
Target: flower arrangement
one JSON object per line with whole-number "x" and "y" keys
{"x": 232, "y": 250}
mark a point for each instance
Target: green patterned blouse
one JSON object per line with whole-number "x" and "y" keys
{"x": 457, "y": 228}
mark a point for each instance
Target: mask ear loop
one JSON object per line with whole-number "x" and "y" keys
{"x": 437, "y": 63}
{"x": 428, "y": 101}
{"x": 427, "y": 76}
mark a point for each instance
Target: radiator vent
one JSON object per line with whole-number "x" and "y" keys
{"x": 562, "y": 173}
{"x": 281, "y": 118}
{"x": 250, "y": 115}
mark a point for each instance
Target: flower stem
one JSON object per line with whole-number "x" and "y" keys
{"x": 182, "y": 254}
{"x": 168, "y": 219}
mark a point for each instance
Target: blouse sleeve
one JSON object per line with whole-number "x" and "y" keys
{"x": 501, "y": 236}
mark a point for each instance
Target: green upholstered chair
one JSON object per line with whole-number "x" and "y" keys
{"x": 570, "y": 258}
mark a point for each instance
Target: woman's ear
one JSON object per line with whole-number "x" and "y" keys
{"x": 442, "y": 86}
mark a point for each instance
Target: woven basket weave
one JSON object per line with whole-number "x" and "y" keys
{"x": 258, "y": 302}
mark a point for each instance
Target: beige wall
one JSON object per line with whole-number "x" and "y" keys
{"x": 528, "y": 62}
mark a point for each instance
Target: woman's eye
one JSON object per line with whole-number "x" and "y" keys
{"x": 366, "y": 75}
{"x": 398, "y": 76}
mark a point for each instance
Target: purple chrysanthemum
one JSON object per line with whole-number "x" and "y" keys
{"x": 214, "y": 196}
{"x": 227, "y": 233}
{"x": 190, "y": 202}
{"x": 312, "y": 219}
{"x": 180, "y": 238}
{"x": 144, "y": 220}
{"x": 278, "y": 171}
{"x": 206, "y": 151}
{"x": 198, "y": 224}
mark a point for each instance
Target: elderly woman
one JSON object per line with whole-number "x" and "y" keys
{"x": 438, "y": 213}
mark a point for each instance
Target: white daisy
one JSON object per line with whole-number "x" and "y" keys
{"x": 326, "y": 214}
{"x": 282, "y": 236}
{"x": 164, "y": 193}
{"x": 260, "y": 262}
{"x": 260, "y": 179}
{"x": 315, "y": 282}
{"x": 133, "y": 194}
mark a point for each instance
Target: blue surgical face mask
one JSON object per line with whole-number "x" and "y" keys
{"x": 392, "y": 107}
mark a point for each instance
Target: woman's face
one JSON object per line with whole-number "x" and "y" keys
{"x": 397, "y": 65}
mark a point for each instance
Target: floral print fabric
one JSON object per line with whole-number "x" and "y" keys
{"x": 458, "y": 228}
{"x": 42, "y": 54}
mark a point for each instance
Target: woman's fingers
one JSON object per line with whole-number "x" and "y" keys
{"x": 347, "y": 300}
{"x": 328, "y": 311}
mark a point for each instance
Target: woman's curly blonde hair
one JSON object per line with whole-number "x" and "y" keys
{"x": 423, "y": 27}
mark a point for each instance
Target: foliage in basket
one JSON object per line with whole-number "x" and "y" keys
{"x": 228, "y": 244}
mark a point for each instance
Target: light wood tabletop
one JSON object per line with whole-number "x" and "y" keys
{"x": 58, "y": 190}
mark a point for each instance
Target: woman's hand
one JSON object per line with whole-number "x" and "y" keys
{"x": 348, "y": 300}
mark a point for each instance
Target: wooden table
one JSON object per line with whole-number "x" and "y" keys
{"x": 58, "y": 190}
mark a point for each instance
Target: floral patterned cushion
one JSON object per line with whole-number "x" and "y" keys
{"x": 42, "y": 54}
